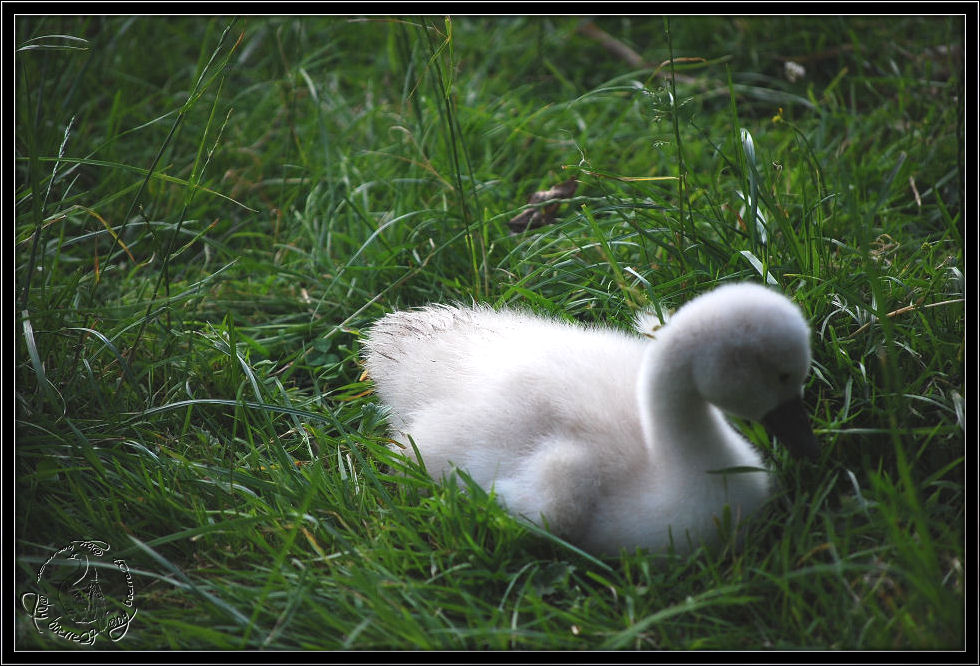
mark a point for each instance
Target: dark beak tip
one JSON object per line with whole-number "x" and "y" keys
{"x": 809, "y": 449}
{"x": 790, "y": 423}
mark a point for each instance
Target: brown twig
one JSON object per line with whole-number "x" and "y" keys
{"x": 908, "y": 308}
{"x": 631, "y": 57}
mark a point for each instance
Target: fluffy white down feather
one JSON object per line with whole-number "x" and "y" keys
{"x": 606, "y": 437}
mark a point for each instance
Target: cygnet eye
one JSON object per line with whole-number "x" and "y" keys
{"x": 783, "y": 377}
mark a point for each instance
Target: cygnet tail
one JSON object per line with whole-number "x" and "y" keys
{"x": 414, "y": 356}
{"x": 648, "y": 322}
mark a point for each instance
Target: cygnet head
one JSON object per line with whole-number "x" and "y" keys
{"x": 751, "y": 358}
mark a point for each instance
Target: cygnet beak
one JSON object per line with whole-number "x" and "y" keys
{"x": 791, "y": 424}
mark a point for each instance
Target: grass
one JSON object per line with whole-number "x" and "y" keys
{"x": 209, "y": 212}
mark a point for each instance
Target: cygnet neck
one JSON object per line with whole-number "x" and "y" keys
{"x": 672, "y": 410}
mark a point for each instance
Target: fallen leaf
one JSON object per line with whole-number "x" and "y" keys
{"x": 540, "y": 216}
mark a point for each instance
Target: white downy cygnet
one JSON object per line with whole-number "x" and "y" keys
{"x": 609, "y": 439}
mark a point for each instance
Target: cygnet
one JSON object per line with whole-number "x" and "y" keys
{"x": 607, "y": 438}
